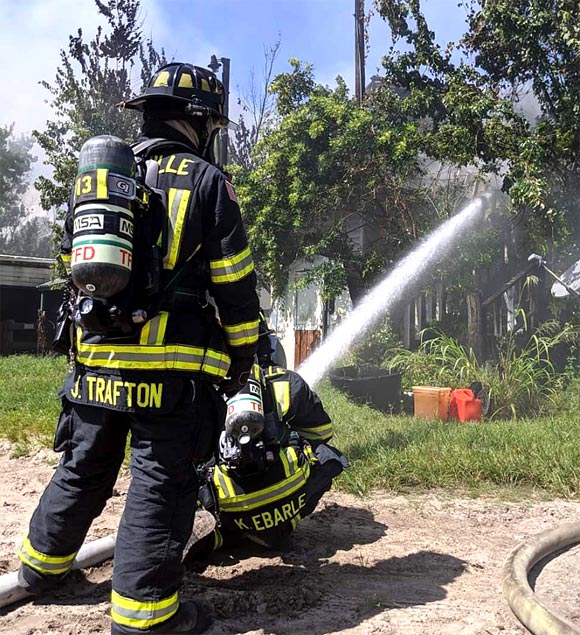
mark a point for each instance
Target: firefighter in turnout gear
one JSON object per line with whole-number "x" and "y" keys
{"x": 161, "y": 380}
{"x": 265, "y": 500}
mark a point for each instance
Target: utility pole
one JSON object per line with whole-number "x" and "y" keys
{"x": 359, "y": 49}
{"x": 214, "y": 65}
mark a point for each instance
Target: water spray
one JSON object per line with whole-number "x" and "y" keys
{"x": 408, "y": 271}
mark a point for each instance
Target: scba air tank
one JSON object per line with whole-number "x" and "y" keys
{"x": 103, "y": 218}
{"x": 245, "y": 410}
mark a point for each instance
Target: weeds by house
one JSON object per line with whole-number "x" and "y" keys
{"x": 522, "y": 381}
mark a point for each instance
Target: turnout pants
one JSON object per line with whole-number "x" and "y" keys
{"x": 159, "y": 509}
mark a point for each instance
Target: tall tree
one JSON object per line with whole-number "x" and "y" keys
{"x": 20, "y": 233}
{"x": 533, "y": 47}
{"x": 258, "y": 110}
{"x": 326, "y": 165}
{"x": 473, "y": 106}
{"x": 93, "y": 77}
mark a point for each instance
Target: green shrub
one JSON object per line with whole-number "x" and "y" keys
{"x": 372, "y": 349}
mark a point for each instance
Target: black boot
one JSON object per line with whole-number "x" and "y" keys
{"x": 192, "y": 617}
{"x": 34, "y": 583}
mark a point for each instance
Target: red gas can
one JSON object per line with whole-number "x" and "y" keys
{"x": 464, "y": 406}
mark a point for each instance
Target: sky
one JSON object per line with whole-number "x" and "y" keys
{"x": 321, "y": 32}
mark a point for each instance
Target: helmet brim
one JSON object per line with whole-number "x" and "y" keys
{"x": 138, "y": 103}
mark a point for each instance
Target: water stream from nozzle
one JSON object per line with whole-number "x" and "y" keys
{"x": 389, "y": 290}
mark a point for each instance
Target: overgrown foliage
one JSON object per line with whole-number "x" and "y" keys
{"x": 328, "y": 167}
{"x": 505, "y": 98}
{"x": 522, "y": 381}
{"x": 374, "y": 348}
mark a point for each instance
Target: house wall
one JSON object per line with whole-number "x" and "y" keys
{"x": 301, "y": 318}
{"x": 21, "y": 300}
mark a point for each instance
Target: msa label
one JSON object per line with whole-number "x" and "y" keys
{"x": 89, "y": 221}
{"x": 126, "y": 227}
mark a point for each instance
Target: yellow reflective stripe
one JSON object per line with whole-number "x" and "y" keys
{"x": 282, "y": 396}
{"x": 284, "y": 460}
{"x": 50, "y": 565}
{"x": 274, "y": 371}
{"x": 289, "y": 460}
{"x": 153, "y": 332}
{"x": 232, "y": 269}
{"x": 246, "y": 502}
{"x": 295, "y": 520}
{"x": 66, "y": 261}
{"x": 256, "y": 372}
{"x": 162, "y": 79}
{"x": 318, "y": 433}
{"x": 145, "y": 357}
{"x": 218, "y": 540}
{"x": 177, "y": 203}
{"x": 102, "y": 189}
{"x": 241, "y": 334}
{"x": 223, "y": 483}
{"x": 309, "y": 454}
{"x": 142, "y": 615}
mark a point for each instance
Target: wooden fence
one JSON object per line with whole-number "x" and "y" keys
{"x": 478, "y": 319}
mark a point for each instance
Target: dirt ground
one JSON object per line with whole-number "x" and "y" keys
{"x": 411, "y": 565}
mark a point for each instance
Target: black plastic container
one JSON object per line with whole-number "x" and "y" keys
{"x": 372, "y": 385}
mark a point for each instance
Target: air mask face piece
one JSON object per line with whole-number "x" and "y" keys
{"x": 213, "y": 144}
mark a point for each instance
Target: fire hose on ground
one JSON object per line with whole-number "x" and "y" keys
{"x": 516, "y": 587}
{"x": 95, "y": 552}
{"x": 89, "y": 555}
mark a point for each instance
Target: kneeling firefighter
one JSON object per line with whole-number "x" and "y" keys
{"x": 147, "y": 350}
{"x": 267, "y": 477}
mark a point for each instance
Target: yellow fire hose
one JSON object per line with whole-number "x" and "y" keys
{"x": 516, "y": 588}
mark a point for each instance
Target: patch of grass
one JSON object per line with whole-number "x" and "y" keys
{"x": 540, "y": 456}
{"x": 29, "y": 405}
{"x": 517, "y": 457}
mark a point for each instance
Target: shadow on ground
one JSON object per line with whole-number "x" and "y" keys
{"x": 301, "y": 593}
{"x": 289, "y": 600}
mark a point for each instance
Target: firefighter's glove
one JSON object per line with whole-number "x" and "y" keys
{"x": 237, "y": 376}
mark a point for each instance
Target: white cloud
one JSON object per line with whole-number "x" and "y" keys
{"x": 32, "y": 34}
{"x": 41, "y": 28}
{"x": 31, "y": 37}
